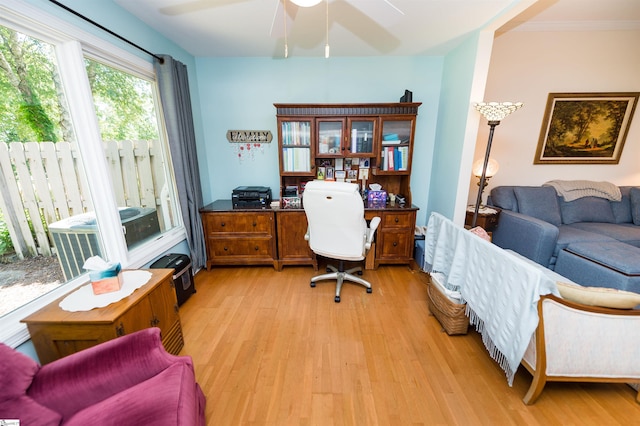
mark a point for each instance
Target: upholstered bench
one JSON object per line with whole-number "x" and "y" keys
{"x": 601, "y": 264}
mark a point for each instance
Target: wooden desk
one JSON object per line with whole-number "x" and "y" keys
{"x": 56, "y": 333}
{"x": 276, "y": 236}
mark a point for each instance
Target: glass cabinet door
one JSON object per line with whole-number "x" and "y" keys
{"x": 395, "y": 153}
{"x": 360, "y": 141}
{"x": 330, "y": 135}
{"x": 296, "y": 155}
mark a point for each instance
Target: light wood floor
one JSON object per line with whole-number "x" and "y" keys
{"x": 270, "y": 350}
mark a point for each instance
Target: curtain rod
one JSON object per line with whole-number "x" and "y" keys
{"x": 160, "y": 59}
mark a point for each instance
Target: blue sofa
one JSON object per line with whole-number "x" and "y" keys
{"x": 591, "y": 240}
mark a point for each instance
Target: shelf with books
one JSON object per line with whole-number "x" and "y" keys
{"x": 295, "y": 147}
{"x": 363, "y": 143}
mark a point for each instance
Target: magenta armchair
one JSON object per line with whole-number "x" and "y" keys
{"x": 130, "y": 380}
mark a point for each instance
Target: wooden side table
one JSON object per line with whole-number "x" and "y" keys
{"x": 56, "y": 333}
{"x": 488, "y": 217}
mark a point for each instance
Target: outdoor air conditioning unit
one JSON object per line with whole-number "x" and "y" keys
{"x": 76, "y": 238}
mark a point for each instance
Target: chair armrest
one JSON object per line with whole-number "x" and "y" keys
{"x": 86, "y": 377}
{"x": 371, "y": 231}
{"x": 531, "y": 237}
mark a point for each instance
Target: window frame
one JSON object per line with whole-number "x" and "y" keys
{"x": 71, "y": 45}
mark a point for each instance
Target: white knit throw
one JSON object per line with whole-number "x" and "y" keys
{"x": 573, "y": 189}
{"x": 501, "y": 290}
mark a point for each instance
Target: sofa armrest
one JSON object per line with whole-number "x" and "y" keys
{"x": 531, "y": 237}
{"x": 94, "y": 374}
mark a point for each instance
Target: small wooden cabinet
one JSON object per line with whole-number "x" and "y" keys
{"x": 239, "y": 236}
{"x": 56, "y": 333}
{"x": 293, "y": 249}
{"x": 395, "y": 235}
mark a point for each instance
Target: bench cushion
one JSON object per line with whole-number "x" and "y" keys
{"x": 599, "y": 296}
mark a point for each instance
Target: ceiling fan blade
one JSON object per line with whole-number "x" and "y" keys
{"x": 195, "y": 6}
{"x": 371, "y": 31}
{"x": 382, "y": 11}
{"x": 393, "y": 6}
{"x": 278, "y": 23}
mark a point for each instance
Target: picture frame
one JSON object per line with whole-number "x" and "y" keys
{"x": 322, "y": 172}
{"x": 585, "y": 128}
{"x": 330, "y": 175}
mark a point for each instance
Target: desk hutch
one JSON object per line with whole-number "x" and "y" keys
{"x": 364, "y": 143}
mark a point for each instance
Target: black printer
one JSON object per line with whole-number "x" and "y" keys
{"x": 251, "y": 197}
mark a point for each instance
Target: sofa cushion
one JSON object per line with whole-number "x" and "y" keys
{"x": 586, "y": 209}
{"x": 622, "y": 209}
{"x": 503, "y": 197}
{"x": 625, "y": 232}
{"x": 569, "y": 234}
{"x": 28, "y": 411}
{"x": 634, "y": 197}
{"x": 16, "y": 372}
{"x": 170, "y": 398}
{"x": 540, "y": 202}
{"x": 599, "y": 296}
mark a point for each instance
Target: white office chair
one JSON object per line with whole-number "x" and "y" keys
{"x": 337, "y": 229}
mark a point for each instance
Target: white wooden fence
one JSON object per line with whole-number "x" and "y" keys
{"x": 43, "y": 182}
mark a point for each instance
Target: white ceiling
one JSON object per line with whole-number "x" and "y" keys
{"x": 213, "y": 28}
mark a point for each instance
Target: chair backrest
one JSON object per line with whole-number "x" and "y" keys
{"x": 335, "y": 213}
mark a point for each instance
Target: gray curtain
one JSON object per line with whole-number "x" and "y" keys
{"x": 173, "y": 83}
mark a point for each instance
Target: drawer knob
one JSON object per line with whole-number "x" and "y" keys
{"x": 257, "y": 248}
{"x": 397, "y": 219}
{"x": 226, "y": 249}
{"x": 222, "y": 224}
{"x": 255, "y": 224}
{"x": 395, "y": 244}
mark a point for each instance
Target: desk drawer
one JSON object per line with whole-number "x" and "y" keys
{"x": 394, "y": 244}
{"x": 259, "y": 222}
{"x": 241, "y": 247}
{"x": 398, "y": 220}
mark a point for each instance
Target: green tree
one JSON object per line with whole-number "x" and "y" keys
{"x": 123, "y": 103}
{"x": 24, "y": 65}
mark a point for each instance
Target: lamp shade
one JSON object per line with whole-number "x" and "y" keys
{"x": 305, "y": 3}
{"x": 496, "y": 111}
{"x": 492, "y": 168}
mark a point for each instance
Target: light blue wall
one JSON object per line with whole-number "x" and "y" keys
{"x": 239, "y": 93}
{"x": 453, "y": 110}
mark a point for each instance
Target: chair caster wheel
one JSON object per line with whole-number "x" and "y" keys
{"x": 337, "y": 299}
{"x": 369, "y": 290}
{"x": 312, "y": 284}
{"x": 328, "y": 269}
{"x": 359, "y": 272}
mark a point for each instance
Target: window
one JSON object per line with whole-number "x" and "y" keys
{"x": 83, "y": 150}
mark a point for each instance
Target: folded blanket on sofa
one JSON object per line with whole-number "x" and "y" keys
{"x": 501, "y": 290}
{"x": 573, "y": 189}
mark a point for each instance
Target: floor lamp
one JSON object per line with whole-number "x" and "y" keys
{"x": 493, "y": 112}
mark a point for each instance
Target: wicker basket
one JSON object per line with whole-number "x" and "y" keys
{"x": 449, "y": 313}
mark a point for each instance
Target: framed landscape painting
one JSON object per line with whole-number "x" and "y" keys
{"x": 585, "y": 128}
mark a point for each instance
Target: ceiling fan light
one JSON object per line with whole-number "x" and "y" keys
{"x": 305, "y": 3}
{"x": 326, "y": 51}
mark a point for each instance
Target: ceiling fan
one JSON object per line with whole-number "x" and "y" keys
{"x": 379, "y": 11}
{"x": 360, "y": 17}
